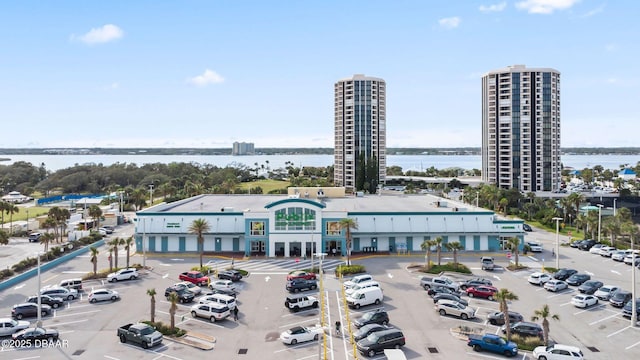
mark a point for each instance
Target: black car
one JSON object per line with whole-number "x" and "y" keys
{"x": 475, "y": 282}
{"x": 366, "y": 330}
{"x": 576, "y": 244}
{"x": 372, "y": 317}
{"x": 447, "y": 296}
{"x": 378, "y": 341}
{"x": 497, "y": 318}
{"x": 578, "y": 279}
{"x": 619, "y": 298}
{"x": 184, "y": 295}
{"x": 233, "y": 275}
{"x": 526, "y": 227}
{"x": 301, "y": 285}
{"x": 54, "y": 302}
{"x": 591, "y": 286}
{"x": 523, "y": 328}
{"x": 441, "y": 289}
{"x": 20, "y": 311}
{"x": 586, "y": 244}
{"x": 626, "y": 310}
{"x": 36, "y": 334}
{"x": 564, "y": 273}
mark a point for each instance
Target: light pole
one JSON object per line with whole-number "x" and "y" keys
{"x": 599, "y": 220}
{"x": 634, "y": 310}
{"x": 614, "y": 206}
{"x": 151, "y": 194}
{"x": 121, "y": 209}
{"x": 557, "y": 220}
{"x": 144, "y": 254}
{"x": 39, "y": 322}
{"x": 322, "y": 344}
{"x": 27, "y": 219}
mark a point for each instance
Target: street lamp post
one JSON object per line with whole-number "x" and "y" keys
{"x": 599, "y": 220}
{"x": 557, "y": 220}
{"x": 614, "y": 206}
{"x": 322, "y": 344}
{"x": 151, "y": 194}
{"x": 144, "y": 247}
{"x": 39, "y": 322}
{"x": 27, "y": 219}
{"x": 634, "y": 308}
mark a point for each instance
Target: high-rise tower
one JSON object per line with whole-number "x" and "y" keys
{"x": 521, "y": 128}
{"x": 360, "y": 133}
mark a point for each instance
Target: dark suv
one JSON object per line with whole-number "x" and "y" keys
{"x": 301, "y": 285}
{"x": 29, "y": 310}
{"x": 578, "y": 279}
{"x": 54, "y": 302}
{"x": 184, "y": 295}
{"x": 564, "y": 273}
{"x": 378, "y": 341}
{"x": 619, "y": 298}
{"x": 372, "y": 317}
{"x": 525, "y": 329}
{"x": 475, "y": 282}
{"x": 586, "y": 244}
{"x": 233, "y": 275}
{"x": 626, "y": 311}
{"x": 497, "y": 318}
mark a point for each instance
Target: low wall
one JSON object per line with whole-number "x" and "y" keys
{"x": 46, "y": 266}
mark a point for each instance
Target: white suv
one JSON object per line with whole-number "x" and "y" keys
{"x": 123, "y": 274}
{"x": 538, "y": 278}
{"x": 211, "y": 311}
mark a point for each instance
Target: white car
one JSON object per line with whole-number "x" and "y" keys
{"x": 618, "y": 255}
{"x": 9, "y": 326}
{"x": 212, "y": 311}
{"x": 195, "y": 289}
{"x": 58, "y": 291}
{"x": 595, "y": 249}
{"x": 538, "y": 278}
{"x": 223, "y": 284}
{"x": 123, "y": 274}
{"x": 557, "y": 351}
{"x": 584, "y": 301}
{"x": 535, "y": 246}
{"x": 607, "y": 251}
{"x": 300, "y": 334}
{"x": 605, "y": 292}
{"x": 555, "y": 285}
{"x": 103, "y": 295}
{"x": 630, "y": 258}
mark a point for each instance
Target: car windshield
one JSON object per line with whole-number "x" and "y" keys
{"x": 367, "y": 316}
{"x": 147, "y": 331}
{"x": 373, "y": 337}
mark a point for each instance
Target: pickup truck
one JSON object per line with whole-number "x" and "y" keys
{"x": 140, "y": 333}
{"x": 195, "y": 277}
{"x": 427, "y": 282}
{"x": 492, "y": 343}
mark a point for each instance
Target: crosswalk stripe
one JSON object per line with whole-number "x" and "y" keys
{"x": 275, "y": 265}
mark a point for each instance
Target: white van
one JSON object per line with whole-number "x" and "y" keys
{"x": 362, "y": 285}
{"x": 363, "y": 297}
{"x": 356, "y": 280}
{"x": 223, "y": 299}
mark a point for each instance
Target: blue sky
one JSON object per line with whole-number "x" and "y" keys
{"x": 208, "y": 73}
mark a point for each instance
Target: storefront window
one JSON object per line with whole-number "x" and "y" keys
{"x": 257, "y": 228}
{"x": 333, "y": 228}
{"x": 295, "y": 218}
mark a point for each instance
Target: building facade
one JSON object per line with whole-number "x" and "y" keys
{"x": 360, "y": 132}
{"x": 242, "y": 148}
{"x": 521, "y": 128}
{"x": 294, "y": 225}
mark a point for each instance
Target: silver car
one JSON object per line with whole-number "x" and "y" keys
{"x": 103, "y": 295}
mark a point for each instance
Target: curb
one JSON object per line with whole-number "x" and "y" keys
{"x": 195, "y": 344}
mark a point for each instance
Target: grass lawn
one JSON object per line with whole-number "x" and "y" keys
{"x": 266, "y": 185}
{"x": 34, "y": 211}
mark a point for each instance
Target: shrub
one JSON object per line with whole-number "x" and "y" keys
{"x": 350, "y": 270}
{"x": 437, "y": 269}
{"x": 204, "y": 269}
{"x": 6, "y": 273}
{"x": 165, "y": 329}
{"x": 526, "y": 342}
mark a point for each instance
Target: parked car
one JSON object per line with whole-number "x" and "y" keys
{"x": 357, "y": 279}
{"x": 75, "y": 283}
{"x": 583, "y": 300}
{"x": 527, "y": 227}
{"x": 605, "y": 292}
{"x": 627, "y": 309}
{"x": 618, "y": 255}
{"x": 34, "y": 237}
{"x": 140, "y": 333}
{"x": 482, "y": 291}
{"x": 123, "y": 274}
{"x": 103, "y": 295}
{"x": 9, "y": 326}
{"x": 590, "y": 286}
{"x": 372, "y": 317}
{"x": 109, "y": 228}
{"x": 432, "y": 291}
{"x": 475, "y": 282}
{"x": 586, "y": 244}
{"x": 497, "y": 318}
{"x": 578, "y": 279}
{"x": 299, "y": 334}
{"x": 24, "y": 310}
{"x": 195, "y": 277}
{"x": 447, "y": 296}
{"x": 555, "y": 285}
{"x": 576, "y": 244}
{"x": 630, "y": 258}
{"x": 362, "y": 285}
{"x": 448, "y": 307}
{"x": 233, "y": 275}
{"x": 106, "y": 230}
{"x": 595, "y": 249}
{"x": 299, "y": 274}
{"x": 379, "y": 341}
{"x": 367, "y": 330}
{"x": 492, "y": 343}
{"x": 228, "y": 301}
{"x": 195, "y": 289}
{"x": 557, "y": 351}
{"x": 223, "y": 284}
{"x": 607, "y": 251}
{"x": 211, "y": 310}
{"x": 184, "y": 295}
{"x": 32, "y": 334}
{"x": 223, "y": 292}
{"x": 301, "y": 285}
{"x": 619, "y": 298}
{"x": 564, "y": 273}
{"x": 524, "y": 328}
{"x": 534, "y": 246}
{"x": 57, "y": 291}
{"x": 300, "y": 302}
{"x": 54, "y": 302}
{"x": 538, "y": 278}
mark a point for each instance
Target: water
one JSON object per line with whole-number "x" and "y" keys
{"x": 406, "y": 162}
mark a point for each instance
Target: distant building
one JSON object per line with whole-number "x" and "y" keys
{"x": 360, "y": 131}
{"x": 15, "y": 197}
{"x": 627, "y": 174}
{"x": 521, "y": 128}
{"x": 242, "y": 148}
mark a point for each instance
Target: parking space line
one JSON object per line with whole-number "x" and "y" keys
{"x": 603, "y": 319}
{"x": 590, "y": 308}
{"x": 70, "y": 322}
{"x": 297, "y": 346}
{"x": 630, "y": 346}
{"x": 76, "y": 314}
{"x": 342, "y": 334}
{"x": 111, "y": 357}
{"x": 619, "y": 331}
{"x": 49, "y": 279}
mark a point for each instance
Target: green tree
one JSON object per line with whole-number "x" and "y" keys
{"x": 544, "y": 314}
{"x": 454, "y": 246}
{"x": 96, "y": 213}
{"x": 427, "y": 245}
{"x": 347, "y": 225}
{"x": 115, "y": 244}
{"x": 94, "y": 258}
{"x": 199, "y": 227}
{"x": 152, "y": 293}
{"x": 46, "y": 239}
{"x": 4, "y": 237}
{"x": 173, "y": 299}
{"x": 504, "y": 296}
{"x": 11, "y": 209}
{"x": 128, "y": 243}
{"x": 513, "y": 243}
{"x": 438, "y": 241}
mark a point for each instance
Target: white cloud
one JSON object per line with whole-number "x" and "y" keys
{"x": 208, "y": 77}
{"x": 545, "y": 6}
{"x": 493, "y": 7}
{"x": 450, "y": 23}
{"x": 595, "y": 11}
{"x": 100, "y": 35}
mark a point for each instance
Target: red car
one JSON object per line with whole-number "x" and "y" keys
{"x": 484, "y": 291}
{"x": 299, "y": 274}
{"x": 195, "y": 277}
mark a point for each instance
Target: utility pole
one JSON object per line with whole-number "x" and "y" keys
{"x": 557, "y": 220}
{"x": 151, "y": 194}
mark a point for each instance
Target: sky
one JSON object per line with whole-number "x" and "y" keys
{"x": 205, "y": 74}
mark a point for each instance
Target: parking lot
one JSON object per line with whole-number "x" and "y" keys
{"x": 600, "y": 331}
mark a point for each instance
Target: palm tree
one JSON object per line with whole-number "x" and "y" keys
{"x": 455, "y": 247}
{"x": 95, "y": 212}
{"x": 438, "y": 244}
{"x": 45, "y": 239}
{"x": 514, "y": 244}
{"x": 504, "y": 296}
{"x": 152, "y": 292}
{"x": 94, "y": 258}
{"x": 3, "y": 207}
{"x": 544, "y": 314}
{"x": 347, "y": 224}
{"x": 128, "y": 243}
{"x": 427, "y": 245}
{"x": 173, "y": 299}
{"x": 199, "y": 227}
{"x": 111, "y": 247}
{"x": 11, "y": 209}
{"x": 115, "y": 243}
{"x": 4, "y": 237}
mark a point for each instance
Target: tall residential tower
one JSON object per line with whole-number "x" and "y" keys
{"x": 521, "y": 128}
{"x": 360, "y": 133}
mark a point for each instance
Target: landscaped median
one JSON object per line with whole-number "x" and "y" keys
{"x": 194, "y": 339}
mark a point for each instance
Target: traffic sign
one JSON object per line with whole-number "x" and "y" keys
{"x": 509, "y": 255}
